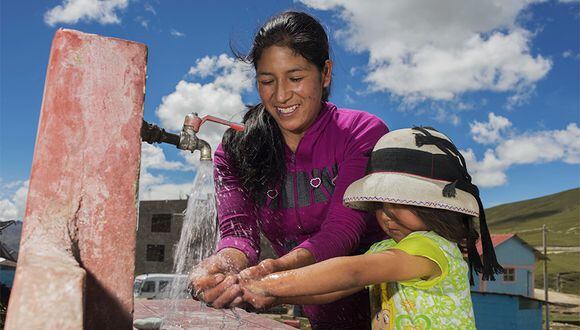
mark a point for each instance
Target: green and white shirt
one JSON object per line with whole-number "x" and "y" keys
{"x": 443, "y": 302}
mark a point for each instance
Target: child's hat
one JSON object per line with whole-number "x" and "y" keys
{"x": 404, "y": 169}
{"x": 422, "y": 167}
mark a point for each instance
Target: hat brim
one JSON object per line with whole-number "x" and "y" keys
{"x": 402, "y": 188}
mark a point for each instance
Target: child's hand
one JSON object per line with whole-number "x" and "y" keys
{"x": 266, "y": 267}
{"x": 254, "y": 294}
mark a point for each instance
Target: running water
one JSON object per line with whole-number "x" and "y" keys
{"x": 198, "y": 240}
{"x": 199, "y": 231}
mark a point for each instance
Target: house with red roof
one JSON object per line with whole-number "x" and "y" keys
{"x": 507, "y": 302}
{"x": 518, "y": 258}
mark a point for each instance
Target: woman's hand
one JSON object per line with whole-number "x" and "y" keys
{"x": 215, "y": 280}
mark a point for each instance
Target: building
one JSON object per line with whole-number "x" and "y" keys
{"x": 9, "y": 245}
{"x": 158, "y": 232}
{"x": 518, "y": 258}
{"x": 507, "y": 302}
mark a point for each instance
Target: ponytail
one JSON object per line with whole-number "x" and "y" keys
{"x": 257, "y": 153}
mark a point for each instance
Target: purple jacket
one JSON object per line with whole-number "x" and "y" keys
{"x": 306, "y": 210}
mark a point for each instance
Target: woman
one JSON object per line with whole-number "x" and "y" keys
{"x": 286, "y": 174}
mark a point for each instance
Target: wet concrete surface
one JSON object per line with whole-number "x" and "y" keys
{"x": 191, "y": 314}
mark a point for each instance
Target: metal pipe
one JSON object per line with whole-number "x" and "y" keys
{"x": 151, "y": 133}
{"x": 547, "y": 304}
{"x": 187, "y": 139}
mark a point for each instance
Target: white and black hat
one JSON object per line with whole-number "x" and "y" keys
{"x": 402, "y": 171}
{"x": 422, "y": 167}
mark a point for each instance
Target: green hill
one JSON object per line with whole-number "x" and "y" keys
{"x": 561, "y": 214}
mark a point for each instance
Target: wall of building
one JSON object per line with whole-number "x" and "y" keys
{"x": 512, "y": 254}
{"x": 7, "y": 275}
{"x": 499, "y": 311}
{"x": 148, "y": 235}
{"x": 153, "y": 236}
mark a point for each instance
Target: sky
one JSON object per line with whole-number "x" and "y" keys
{"x": 500, "y": 78}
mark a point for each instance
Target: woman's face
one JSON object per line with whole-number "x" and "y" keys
{"x": 291, "y": 89}
{"x": 397, "y": 221}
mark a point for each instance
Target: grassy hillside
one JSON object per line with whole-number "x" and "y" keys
{"x": 561, "y": 214}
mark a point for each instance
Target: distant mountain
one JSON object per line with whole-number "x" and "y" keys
{"x": 559, "y": 212}
{"x": 10, "y": 237}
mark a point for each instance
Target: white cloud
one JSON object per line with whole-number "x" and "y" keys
{"x": 144, "y": 22}
{"x": 528, "y": 148}
{"x": 167, "y": 191}
{"x": 73, "y": 11}
{"x": 152, "y": 156}
{"x": 151, "y": 185}
{"x": 443, "y": 115}
{"x": 177, "y": 34}
{"x": 488, "y": 172}
{"x": 225, "y": 80}
{"x": 570, "y": 54}
{"x": 490, "y": 132}
{"x": 13, "y": 200}
{"x": 231, "y": 75}
{"x": 438, "y": 50}
{"x": 148, "y": 7}
{"x": 221, "y": 97}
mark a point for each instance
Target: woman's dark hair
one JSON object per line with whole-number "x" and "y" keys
{"x": 258, "y": 152}
{"x": 453, "y": 226}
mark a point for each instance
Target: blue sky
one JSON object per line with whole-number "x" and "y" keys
{"x": 501, "y": 78}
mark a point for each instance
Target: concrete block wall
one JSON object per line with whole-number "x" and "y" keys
{"x": 76, "y": 262}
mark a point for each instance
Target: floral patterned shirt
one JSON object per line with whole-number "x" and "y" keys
{"x": 443, "y": 302}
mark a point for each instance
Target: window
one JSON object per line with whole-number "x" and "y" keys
{"x": 161, "y": 223}
{"x": 163, "y": 286}
{"x": 137, "y": 286}
{"x": 509, "y": 275}
{"x": 148, "y": 286}
{"x": 155, "y": 253}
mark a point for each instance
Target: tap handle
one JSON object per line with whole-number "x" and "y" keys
{"x": 236, "y": 126}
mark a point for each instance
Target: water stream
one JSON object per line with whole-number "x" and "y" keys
{"x": 198, "y": 240}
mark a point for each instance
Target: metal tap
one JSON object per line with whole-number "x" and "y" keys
{"x": 191, "y": 125}
{"x": 187, "y": 139}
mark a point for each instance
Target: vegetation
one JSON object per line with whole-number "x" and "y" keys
{"x": 561, "y": 214}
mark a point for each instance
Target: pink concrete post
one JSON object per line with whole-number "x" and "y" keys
{"x": 77, "y": 254}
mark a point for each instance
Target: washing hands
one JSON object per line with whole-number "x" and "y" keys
{"x": 254, "y": 286}
{"x": 218, "y": 282}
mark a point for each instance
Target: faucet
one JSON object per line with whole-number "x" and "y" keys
{"x": 187, "y": 139}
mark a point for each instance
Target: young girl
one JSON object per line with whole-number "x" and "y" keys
{"x": 418, "y": 186}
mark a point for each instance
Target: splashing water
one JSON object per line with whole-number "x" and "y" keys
{"x": 199, "y": 231}
{"x": 198, "y": 240}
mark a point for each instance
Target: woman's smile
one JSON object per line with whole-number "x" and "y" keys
{"x": 287, "y": 111}
{"x": 291, "y": 89}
